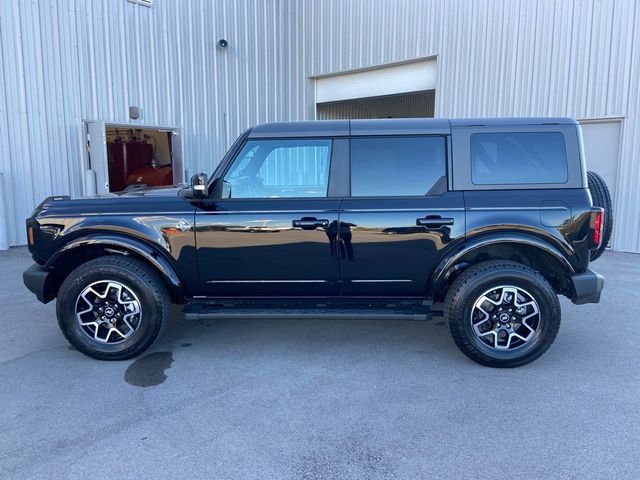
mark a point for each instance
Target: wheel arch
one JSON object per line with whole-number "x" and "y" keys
{"x": 529, "y": 250}
{"x": 83, "y": 249}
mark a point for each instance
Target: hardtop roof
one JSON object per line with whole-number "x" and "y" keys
{"x": 391, "y": 126}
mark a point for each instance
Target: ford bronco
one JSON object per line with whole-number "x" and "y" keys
{"x": 484, "y": 221}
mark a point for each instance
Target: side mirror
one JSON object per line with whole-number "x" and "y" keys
{"x": 199, "y": 185}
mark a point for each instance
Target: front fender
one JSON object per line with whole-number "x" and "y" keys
{"x": 126, "y": 244}
{"x": 441, "y": 272}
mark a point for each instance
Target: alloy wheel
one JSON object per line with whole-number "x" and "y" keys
{"x": 506, "y": 318}
{"x": 108, "y": 311}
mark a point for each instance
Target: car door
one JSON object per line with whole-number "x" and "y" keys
{"x": 400, "y": 216}
{"x": 270, "y": 231}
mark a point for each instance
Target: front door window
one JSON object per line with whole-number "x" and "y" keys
{"x": 279, "y": 169}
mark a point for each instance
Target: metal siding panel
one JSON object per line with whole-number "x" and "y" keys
{"x": 19, "y": 174}
{"x": 620, "y": 58}
{"x": 553, "y": 57}
{"x": 73, "y": 64}
{"x": 628, "y": 188}
{"x": 6, "y": 146}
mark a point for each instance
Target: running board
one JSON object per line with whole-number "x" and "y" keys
{"x": 204, "y": 311}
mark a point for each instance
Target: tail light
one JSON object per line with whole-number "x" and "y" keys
{"x": 596, "y": 225}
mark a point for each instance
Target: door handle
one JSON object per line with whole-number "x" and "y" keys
{"x": 307, "y": 223}
{"x": 434, "y": 222}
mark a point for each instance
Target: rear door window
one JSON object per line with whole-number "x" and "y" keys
{"x": 398, "y": 166}
{"x": 518, "y": 158}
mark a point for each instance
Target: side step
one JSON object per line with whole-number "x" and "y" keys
{"x": 200, "y": 311}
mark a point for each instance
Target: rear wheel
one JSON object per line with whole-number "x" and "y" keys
{"x": 112, "y": 308}
{"x": 601, "y": 198}
{"x": 502, "y": 313}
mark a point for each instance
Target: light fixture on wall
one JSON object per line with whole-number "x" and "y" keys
{"x": 223, "y": 44}
{"x": 134, "y": 112}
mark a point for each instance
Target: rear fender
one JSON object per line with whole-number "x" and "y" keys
{"x": 447, "y": 265}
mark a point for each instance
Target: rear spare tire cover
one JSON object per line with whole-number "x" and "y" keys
{"x": 601, "y": 198}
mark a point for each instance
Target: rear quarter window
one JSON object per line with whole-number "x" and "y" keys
{"x": 518, "y": 158}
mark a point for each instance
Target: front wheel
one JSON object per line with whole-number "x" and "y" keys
{"x": 502, "y": 313}
{"x": 112, "y": 308}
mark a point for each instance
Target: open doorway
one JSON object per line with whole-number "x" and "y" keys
{"x": 123, "y": 156}
{"x": 405, "y": 105}
{"x": 401, "y": 90}
{"x": 138, "y": 157}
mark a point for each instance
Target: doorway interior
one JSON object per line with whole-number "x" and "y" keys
{"x": 401, "y": 90}
{"x": 138, "y": 156}
{"x": 131, "y": 156}
{"x": 404, "y": 105}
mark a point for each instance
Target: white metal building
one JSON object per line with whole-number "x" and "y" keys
{"x": 70, "y": 68}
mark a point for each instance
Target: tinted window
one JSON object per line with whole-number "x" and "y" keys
{"x": 512, "y": 158}
{"x": 399, "y": 166}
{"x": 279, "y": 168}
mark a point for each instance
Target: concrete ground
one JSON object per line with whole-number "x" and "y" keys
{"x": 302, "y": 399}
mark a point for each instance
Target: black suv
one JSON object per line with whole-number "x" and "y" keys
{"x": 486, "y": 220}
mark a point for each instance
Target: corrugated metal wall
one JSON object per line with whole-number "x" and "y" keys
{"x": 65, "y": 61}
{"x": 68, "y": 60}
{"x": 578, "y": 58}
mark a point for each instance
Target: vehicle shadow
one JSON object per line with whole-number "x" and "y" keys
{"x": 299, "y": 337}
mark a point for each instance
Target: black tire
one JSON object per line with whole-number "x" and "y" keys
{"x": 601, "y": 198}
{"x": 139, "y": 279}
{"x": 480, "y": 279}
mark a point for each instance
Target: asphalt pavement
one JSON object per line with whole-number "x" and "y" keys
{"x": 321, "y": 399}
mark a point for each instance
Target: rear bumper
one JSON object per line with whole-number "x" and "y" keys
{"x": 586, "y": 287}
{"x": 38, "y": 280}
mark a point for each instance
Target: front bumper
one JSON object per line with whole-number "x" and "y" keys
{"x": 586, "y": 287}
{"x": 38, "y": 281}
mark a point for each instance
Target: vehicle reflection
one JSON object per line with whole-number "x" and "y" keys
{"x": 339, "y": 235}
